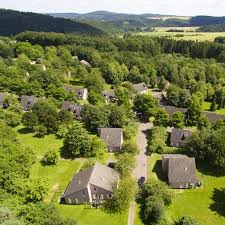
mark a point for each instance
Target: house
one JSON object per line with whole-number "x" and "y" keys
{"x": 109, "y": 95}
{"x": 140, "y": 88}
{"x": 179, "y": 137}
{"x": 113, "y": 138}
{"x": 81, "y": 93}
{"x": 85, "y": 63}
{"x": 92, "y": 185}
{"x": 172, "y": 110}
{"x": 213, "y": 117}
{"x": 3, "y": 96}
{"x": 74, "y": 108}
{"x": 160, "y": 95}
{"x": 180, "y": 171}
{"x": 28, "y": 102}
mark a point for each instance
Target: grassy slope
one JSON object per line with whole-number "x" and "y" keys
{"x": 206, "y": 107}
{"x": 196, "y": 202}
{"x": 58, "y": 178}
{"x": 186, "y": 35}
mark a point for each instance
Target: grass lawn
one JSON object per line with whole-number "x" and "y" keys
{"x": 137, "y": 220}
{"x": 198, "y": 203}
{"x": 59, "y": 176}
{"x": 206, "y": 107}
{"x": 194, "y": 36}
{"x": 84, "y": 215}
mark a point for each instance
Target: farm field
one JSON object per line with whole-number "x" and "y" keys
{"x": 59, "y": 176}
{"x": 205, "y": 204}
{"x": 194, "y": 36}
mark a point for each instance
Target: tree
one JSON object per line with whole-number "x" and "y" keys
{"x": 129, "y": 147}
{"x": 50, "y": 158}
{"x": 162, "y": 83}
{"x": 125, "y": 164}
{"x": 144, "y": 105}
{"x": 95, "y": 117}
{"x": 161, "y": 117}
{"x": 79, "y": 143}
{"x": 65, "y": 116}
{"x": 120, "y": 202}
{"x": 186, "y": 220}
{"x": 30, "y": 120}
{"x": 177, "y": 120}
{"x": 118, "y": 116}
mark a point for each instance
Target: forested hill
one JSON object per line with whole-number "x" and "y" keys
{"x": 213, "y": 28}
{"x": 13, "y": 22}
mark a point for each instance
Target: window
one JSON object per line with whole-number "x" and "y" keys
{"x": 95, "y": 189}
{"x": 83, "y": 193}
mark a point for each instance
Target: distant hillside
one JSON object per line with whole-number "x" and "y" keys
{"x": 126, "y": 22}
{"x": 206, "y": 20}
{"x": 213, "y": 28}
{"x": 14, "y": 22}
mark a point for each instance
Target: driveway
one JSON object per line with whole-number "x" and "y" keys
{"x": 142, "y": 163}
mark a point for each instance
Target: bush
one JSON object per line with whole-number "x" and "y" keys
{"x": 130, "y": 131}
{"x": 41, "y": 131}
{"x": 50, "y": 158}
{"x": 187, "y": 220}
{"x": 130, "y": 147}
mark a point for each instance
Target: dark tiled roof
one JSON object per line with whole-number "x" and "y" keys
{"x": 178, "y": 156}
{"x": 109, "y": 94}
{"x": 112, "y": 136}
{"x": 140, "y": 87}
{"x": 172, "y": 109}
{"x": 28, "y": 102}
{"x": 180, "y": 135}
{"x": 98, "y": 175}
{"x": 182, "y": 170}
{"x": 213, "y": 117}
{"x": 71, "y": 107}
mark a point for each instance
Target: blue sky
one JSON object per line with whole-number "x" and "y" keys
{"x": 174, "y": 7}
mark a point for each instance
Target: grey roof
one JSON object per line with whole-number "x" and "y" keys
{"x": 28, "y": 102}
{"x": 182, "y": 170}
{"x": 86, "y": 63}
{"x": 109, "y": 94}
{"x": 140, "y": 87}
{"x": 71, "y": 107}
{"x": 172, "y": 109}
{"x": 99, "y": 175}
{"x": 111, "y": 136}
{"x": 3, "y": 96}
{"x": 79, "y": 91}
{"x": 213, "y": 117}
{"x": 178, "y": 156}
{"x": 160, "y": 95}
{"x": 180, "y": 135}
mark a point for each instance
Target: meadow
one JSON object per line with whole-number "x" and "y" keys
{"x": 59, "y": 176}
{"x": 205, "y": 203}
{"x": 188, "y": 34}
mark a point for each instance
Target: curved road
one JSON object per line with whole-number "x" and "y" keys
{"x": 142, "y": 162}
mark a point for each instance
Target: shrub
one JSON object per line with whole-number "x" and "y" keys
{"x": 50, "y": 158}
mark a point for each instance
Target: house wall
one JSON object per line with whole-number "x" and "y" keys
{"x": 165, "y": 164}
{"x": 180, "y": 185}
{"x": 79, "y": 197}
{"x": 114, "y": 149}
{"x": 98, "y": 192}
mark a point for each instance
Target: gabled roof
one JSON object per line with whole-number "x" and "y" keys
{"x": 3, "y": 96}
{"x": 172, "y": 109}
{"x": 182, "y": 170}
{"x": 111, "y": 136}
{"x": 28, "y": 102}
{"x": 99, "y": 175}
{"x": 178, "y": 156}
{"x": 109, "y": 93}
{"x": 180, "y": 135}
{"x": 140, "y": 87}
{"x": 76, "y": 90}
{"x": 86, "y": 63}
{"x": 70, "y": 106}
{"x": 213, "y": 117}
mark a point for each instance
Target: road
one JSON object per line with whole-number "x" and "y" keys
{"x": 142, "y": 165}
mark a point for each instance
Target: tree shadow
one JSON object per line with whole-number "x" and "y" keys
{"x": 25, "y": 131}
{"x": 158, "y": 170}
{"x": 219, "y": 201}
{"x": 209, "y": 170}
{"x": 64, "y": 153}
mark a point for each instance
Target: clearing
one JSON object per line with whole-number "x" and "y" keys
{"x": 204, "y": 204}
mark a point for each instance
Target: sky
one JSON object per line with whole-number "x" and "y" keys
{"x": 167, "y": 7}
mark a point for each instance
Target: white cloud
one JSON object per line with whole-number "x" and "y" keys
{"x": 178, "y": 7}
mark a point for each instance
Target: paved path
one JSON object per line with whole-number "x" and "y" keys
{"x": 142, "y": 165}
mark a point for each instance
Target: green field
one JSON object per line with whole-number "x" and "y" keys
{"x": 194, "y": 36}
{"x": 58, "y": 178}
{"x": 206, "y": 107}
{"x": 196, "y": 202}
